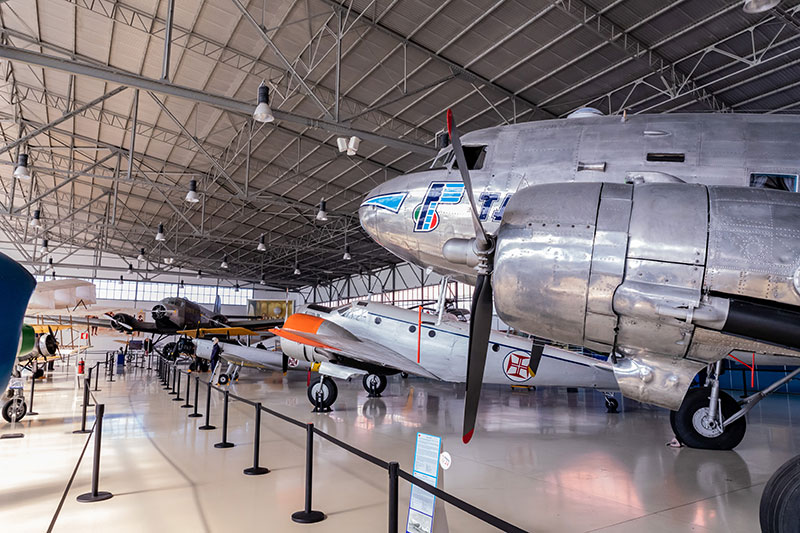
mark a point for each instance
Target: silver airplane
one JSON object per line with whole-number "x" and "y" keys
{"x": 666, "y": 241}
{"x": 372, "y": 340}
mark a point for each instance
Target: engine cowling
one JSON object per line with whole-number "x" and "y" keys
{"x": 47, "y": 345}
{"x": 656, "y": 273}
{"x": 303, "y": 350}
{"x": 121, "y": 320}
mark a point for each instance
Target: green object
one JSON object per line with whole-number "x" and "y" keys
{"x": 26, "y": 341}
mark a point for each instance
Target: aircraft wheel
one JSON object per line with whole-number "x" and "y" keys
{"x": 404, "y": 375}
{"x": 329, "y": 391}
{"x": 611, "y": 405}
{"x": 224, "y": 379}
{"x": 691, "y": 426}
{"x": 780, "y": 502}
{"x": 14, "y": 406}
{"x": 374, "y": 384}
{"x": 38, "y": 373}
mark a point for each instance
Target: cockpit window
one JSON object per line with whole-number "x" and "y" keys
{"x": 319, "y": 308}
{"x": 475, "y": 156}
{"x": 442, "y": 160}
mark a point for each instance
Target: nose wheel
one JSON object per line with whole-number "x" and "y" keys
{"x": 374, "y": 384}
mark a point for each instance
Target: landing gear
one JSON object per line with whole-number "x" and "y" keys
{"x": 699, "y": 423}
{"x": 611, "y": 404}
{"x": 374, "y": 384}
{"x": 15, "y": 409}
{"x": 780, "y": 502}
{"x": 224, "y": 379}
{"x": 322, "y": 393}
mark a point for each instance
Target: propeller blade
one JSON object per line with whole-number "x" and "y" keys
{"x": 458, "y": 150}
{"x": 480, "y": 326}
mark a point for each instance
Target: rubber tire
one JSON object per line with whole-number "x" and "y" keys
{"x": 612, "y": 405}
{"x": 681, "y": 421}
{"x": 779, "y": 511}
{"x": 7, "y": 410}
{"x": 381, "y": 385}
{"x": 331, "y": 399}
{"x": 224, "y": 379}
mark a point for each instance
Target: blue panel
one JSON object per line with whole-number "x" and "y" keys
{"x": 390, "y": 202}
{"x": 16, "y": 286}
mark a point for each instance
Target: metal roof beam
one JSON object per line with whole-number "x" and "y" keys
{"x": 164, "y": 87}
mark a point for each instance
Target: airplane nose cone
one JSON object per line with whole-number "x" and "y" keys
{"x": 381, "y": 207}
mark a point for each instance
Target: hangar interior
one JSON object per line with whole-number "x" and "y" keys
{"x": 220, "y": 151}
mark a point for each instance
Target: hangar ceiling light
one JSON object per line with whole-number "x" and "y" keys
{"x": 141, "y": 255}
{"x": 263, "y": 113}
{"x": 192, "y": 195}
{"x": 322, "y": 214}
{"x": 759, "y": 6}
{"x": 224, "y": 264}
{"x": 22, "y": 171}
{"x": 35, "y": 223}
{"x": 160, "y": 235}
{"x": 261, "y": 246}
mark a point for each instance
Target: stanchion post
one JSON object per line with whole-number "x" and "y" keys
{"x": 208, "y": 425}
{"x": 178, "y": 379}
{"x": 96, "y": 375}
{"x": 307, "y": 516}
{"x": 393, "y": 479}
{"x": 224, "y": 443}
{"x": 196, "y": 389}
{"x": 168, "y": 368}
{"x": 33, "y": 387}
{"x": 96, "y": 495}
{"x": 85, "y": 405}
{"x": 174, "y": 377}
{"x": 187, "y": 405}
{"x": 256, "y": 470}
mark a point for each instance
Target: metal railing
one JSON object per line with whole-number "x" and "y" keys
{"x": 168, "y": 370}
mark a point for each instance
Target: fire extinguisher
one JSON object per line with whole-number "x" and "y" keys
{"x": 80, "y": 366}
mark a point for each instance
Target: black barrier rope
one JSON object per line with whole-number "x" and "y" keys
{"x": 69, "y": 484}
{"x": 392, "y": 468}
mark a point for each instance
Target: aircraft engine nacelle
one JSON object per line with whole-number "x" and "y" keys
{"x": 123, "y": 323}
{"x": 657, "y": 273}
{"x": 315, "y": 350}
{"x": 47, "y": 345}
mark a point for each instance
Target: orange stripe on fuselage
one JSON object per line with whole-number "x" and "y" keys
{"x": 292, "y": 336}
{"x": 303, "y": 322}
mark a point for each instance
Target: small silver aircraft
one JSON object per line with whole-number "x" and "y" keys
{"x": 666, "y": 241}
{"x": 372, "y": 340}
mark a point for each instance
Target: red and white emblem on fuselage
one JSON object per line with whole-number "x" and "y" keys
{"x": 291, "y": 362}
{"x": 515, "y": 366}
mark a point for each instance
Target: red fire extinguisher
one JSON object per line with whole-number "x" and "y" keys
{"x": 80, "y": 366}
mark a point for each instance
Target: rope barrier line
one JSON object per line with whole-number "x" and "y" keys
{"x": 71, "y": 479}
{"x": 449, "y": 498}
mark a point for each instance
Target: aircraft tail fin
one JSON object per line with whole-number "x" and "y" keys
{"x": 217, "y": 305}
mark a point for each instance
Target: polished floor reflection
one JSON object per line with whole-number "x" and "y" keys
{"x": 545, "y": 460}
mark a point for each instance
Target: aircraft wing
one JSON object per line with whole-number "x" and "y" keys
{"x": 229, "y": 331}
{"x": 364, "y": 351}
{"x": 256, "y": 323}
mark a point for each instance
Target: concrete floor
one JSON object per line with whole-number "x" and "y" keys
{"x": 545, "y": 461}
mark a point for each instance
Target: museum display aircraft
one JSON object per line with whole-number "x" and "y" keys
{"x": 373, "y": 340}
{"x": 666, "y": 241}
